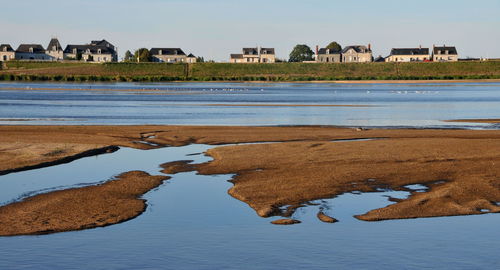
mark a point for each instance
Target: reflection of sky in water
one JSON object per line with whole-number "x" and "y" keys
{"x": 192, "y": 223}
{"x": 420, "y": 105}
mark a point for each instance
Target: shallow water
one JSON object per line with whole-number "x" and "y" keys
{"x": 192, "y": 223}
{"x": 389, "y": 105}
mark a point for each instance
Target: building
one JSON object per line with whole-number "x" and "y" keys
{"x": 7, "y": 53}
{"x": 89, "y": 53}
{"x": 254, "y": 55}
{"x": 379, "y": 59}
{"x": 409, "y": 55}
{"x": 55, "y": 50}
{"x": 167, "y": 55}
{"x": 191, "y": 59}
{"x": 444, "y": 54}
{"x": 111, "y": 47}
{"x": 325, "y": 55}
{"x": 32, "y": 52}
{"x": 357, "y": 54}
{"x": 267, "y": 55}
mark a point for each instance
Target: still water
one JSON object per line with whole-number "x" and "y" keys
{"x": 192, "y": 223}
{"x": 379, "y": 105}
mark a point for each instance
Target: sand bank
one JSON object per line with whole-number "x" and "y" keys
{"x": 296, "y": 165}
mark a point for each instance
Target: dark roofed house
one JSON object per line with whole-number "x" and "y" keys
{"x": 89, "y": 53}
{"x": 357, "y": 54}
{"x": 325, "y": 55}
{"x": 55, "y": 50}
{"x": 408, "y": 55}
{"x": 254, "y": 55}
{"x": 191, "y": 58}
{"x": 167, "y": 55}
{"x": 7, "y": 53}
{"x": 444, "y": 54}
{"x": 32, "y": 52}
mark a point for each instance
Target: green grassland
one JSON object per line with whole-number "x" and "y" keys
{"x": 162, "y": 72}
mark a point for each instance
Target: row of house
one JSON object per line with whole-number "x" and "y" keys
{"x": 96, "y": 51}
{"x": 363, "y": 54}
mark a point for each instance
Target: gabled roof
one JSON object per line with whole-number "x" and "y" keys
{"x": 357, "y": 48}
{"x": 54, "y": 43}
{"x": 84, "y": 48}
{"x": 6, "y": 48}
{"x": 451, "y": 50}
{"x": 26, "y": 48}
{"x": 328, "y": 51}
{"x": 410, "y": 51}
{"x": 191, "y": 55}
{"x": 267, "y": 51}
{"x": 236, "y": 56}
{"x": 250, "y": 51}
{"x": 102, "y": 43}
{"x": 166, "y": 51}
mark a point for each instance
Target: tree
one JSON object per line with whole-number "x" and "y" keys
{"x": 334, "y": 46}
{"x": 142, "y": 55}
{"x": 200, "y": 59}
{"x": 90, "y": 58}
{"x": 301, "y": 53}
{"x": 79, "y": 56}
{"x": 129, "y": 57}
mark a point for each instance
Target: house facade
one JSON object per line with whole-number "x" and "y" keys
{"x": 357, "y": 54}
{"x": 325, "y": 55}
{"x": 254, "y": 55}
{"x": 167, "y": 55}
{"x": 89, "y": 53}
{"x": 34, "y": 52}
{"x": 7, "y": 53}
{"x": 55, "y": 50}
{"x": 409, "y": 55}
{"x": 444, "y": 54}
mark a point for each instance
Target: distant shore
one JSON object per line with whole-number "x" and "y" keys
{"x": 261, "y": 73}
{"x": 283, "y": 169}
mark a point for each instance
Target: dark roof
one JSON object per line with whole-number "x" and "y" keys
{"x": 410, "y": 51}
{"x": 6, "y": 47}
{"x": 103, "y": 43}
{"x": 451, "y": 50}
{"x": 25, "y": 48}
{"x": 250, "y": 51}
{"x": 166, "y": 51}
{"x": 54, "y": 43}
{"x": 379, "y": 59}
{"x": 236, "y": 56}
{"x": 93, "y": 49}
{"x": 191, "y": 55}
{"x": 357, "y": 48}
{"x": 328, "y": 51}
{"x": 267, "y": 51}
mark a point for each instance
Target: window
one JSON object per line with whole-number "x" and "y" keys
{"x": 105, "y": 59}
{"x": 5, "y": 57}
{"x": 99, "y": 51}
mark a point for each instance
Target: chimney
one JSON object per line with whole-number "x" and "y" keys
{"x": 317, "y": 49}
{"x": 369, "y": 47}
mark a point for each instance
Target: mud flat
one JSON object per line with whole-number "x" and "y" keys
{"x": 277, "y": 169}
{"x": 79, "y": 208}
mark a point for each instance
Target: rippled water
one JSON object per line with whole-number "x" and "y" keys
{"x": 192, "y": 223}
{"x": 388, "y": 105}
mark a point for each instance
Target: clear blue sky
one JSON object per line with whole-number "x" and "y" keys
{"x": 216, "y": 28}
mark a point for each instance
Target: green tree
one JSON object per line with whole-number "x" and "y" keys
{"x": 334, "y": 46}
{"x": 200, "y": 59}
{"x": 142, "y": 55}
{"x": 301, "y": 53}
{"x": 90, "y": 58}
{"x": 129, "y": 57}
{"x": 79, "y": 56}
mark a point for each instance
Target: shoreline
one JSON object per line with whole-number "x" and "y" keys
{"x": 423, "y": 81}
{"x": 277, "y": 167}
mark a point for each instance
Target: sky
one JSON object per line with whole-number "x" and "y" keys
{"x": 216, "y": 28}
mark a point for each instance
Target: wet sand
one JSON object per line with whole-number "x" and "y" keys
{"x": 80, "y": 208}
{"x": 296, "y": 165}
